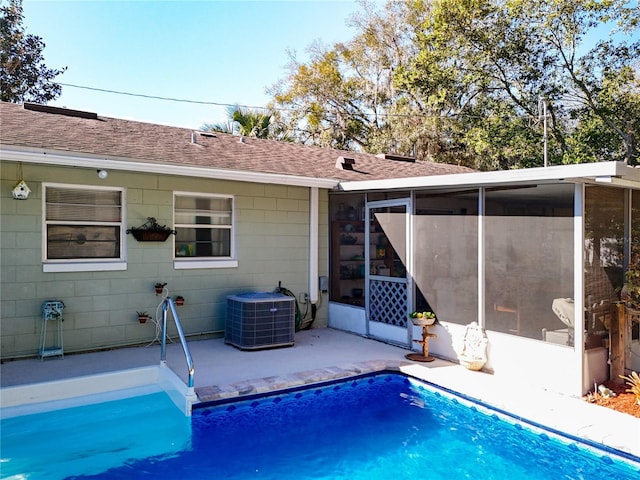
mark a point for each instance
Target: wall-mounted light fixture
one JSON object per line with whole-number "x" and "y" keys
{"x": 102, "y": 174}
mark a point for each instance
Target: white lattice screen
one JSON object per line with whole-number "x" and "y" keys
{"x": 388, "y": 302}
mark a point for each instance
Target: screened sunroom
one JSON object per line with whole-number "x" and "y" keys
{"x": 520, "y": 252}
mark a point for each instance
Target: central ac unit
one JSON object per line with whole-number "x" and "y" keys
{"x": 260, "y": 320}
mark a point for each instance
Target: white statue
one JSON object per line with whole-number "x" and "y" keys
{"x": 474, "y": 347}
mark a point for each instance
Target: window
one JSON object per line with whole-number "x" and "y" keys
{"x": 82, "y": 224}
{"x": 445, "y": 247}
{"x": 529, "y": 262}
{"x": 204, "y": 228}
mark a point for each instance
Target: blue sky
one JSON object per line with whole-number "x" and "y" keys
{"x": 218, "y": 51}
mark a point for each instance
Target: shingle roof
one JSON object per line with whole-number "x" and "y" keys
{"x": 146, "y": 142}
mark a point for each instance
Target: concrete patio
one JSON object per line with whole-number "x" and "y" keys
{"x": 325, "y": 354}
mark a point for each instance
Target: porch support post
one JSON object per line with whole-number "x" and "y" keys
{"x": 628, "y": 218}
{"x": 313, "y": 244}
{"x": 481, "y": 259}
{"x": 578, "y": 366}
{"x": 617, "y": 335}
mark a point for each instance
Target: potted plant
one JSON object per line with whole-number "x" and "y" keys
{"x": 179, "y": 300}
{"x": 420, "y": 319}
{"x": 151, "y": 231}
{"x": 143, "y": 317}
{"x": 159, "y": 287}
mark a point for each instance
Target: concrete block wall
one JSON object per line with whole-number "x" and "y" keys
{"x": 272, "y": 233}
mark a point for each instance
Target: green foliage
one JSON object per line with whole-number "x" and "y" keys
{"x": 23, "y": 74}
{"x": 633, "y": 381}
{"x": 343, "y": 95}
{"x": 515, "y": 52}
{"x": 630, "y": 293}
{"x": 461, "y": 81}
{"x": 246, "y": 122}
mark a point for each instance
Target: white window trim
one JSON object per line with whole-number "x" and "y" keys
{"x": 83, "y": 267}
{"x": 188, "y": 264}
{"x": 206, "y": 262}
{"x": 90, "y": 265}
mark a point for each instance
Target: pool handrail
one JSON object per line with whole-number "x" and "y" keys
{"x": 166, "y": 304}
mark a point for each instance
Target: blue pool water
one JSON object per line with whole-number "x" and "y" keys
{"x": 375, "y": 427}
{"x": 91, "y": 439}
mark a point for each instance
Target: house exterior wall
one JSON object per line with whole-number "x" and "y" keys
{"x": 272, "y": 238}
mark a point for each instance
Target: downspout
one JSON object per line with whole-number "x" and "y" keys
{"x": 313, "y": 248}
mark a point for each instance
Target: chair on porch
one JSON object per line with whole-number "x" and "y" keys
{"x": 600, "y": 300}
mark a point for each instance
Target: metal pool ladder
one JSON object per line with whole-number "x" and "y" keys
{"x": 167, "y": 304}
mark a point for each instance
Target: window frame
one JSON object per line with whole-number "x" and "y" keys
{"x": 230, "y": 261}
{"x": 83, "y": 264}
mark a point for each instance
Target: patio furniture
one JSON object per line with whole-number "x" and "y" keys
{"x": 51, "y": 315}
{"x": 564, "y": 308}
{"x": 501, "y": 308}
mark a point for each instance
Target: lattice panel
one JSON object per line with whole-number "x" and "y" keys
{"x": 388, "y": 302}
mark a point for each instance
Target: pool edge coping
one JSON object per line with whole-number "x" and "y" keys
{"x": 267, "y": 385}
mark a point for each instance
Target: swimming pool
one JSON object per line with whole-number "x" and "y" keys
{"x": 375, "y": 427}
{"x": 91, "y": 439}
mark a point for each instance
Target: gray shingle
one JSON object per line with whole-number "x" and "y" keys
{"x": 161, "y": 144}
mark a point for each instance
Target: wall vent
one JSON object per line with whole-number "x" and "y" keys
{"x": 201, "y": 133}
{"x": 397, "y": 158}
{"x": 345, "y": 163}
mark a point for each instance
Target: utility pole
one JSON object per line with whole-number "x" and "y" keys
{"x": 542, "y": 112}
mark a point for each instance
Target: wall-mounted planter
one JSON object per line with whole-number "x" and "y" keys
{"x": 150, "y": 231}
{"x": 179, "y": 301}
{"x": 149, "y": 236}
{"x": 143, "y": 317}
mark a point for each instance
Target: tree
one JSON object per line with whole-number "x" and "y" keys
{"x": 593, "y": 138}
{"x": 462, "y": 81}
{"x": 246, "y": 122}
{"x": 343, "y": 96}
{"x": 515, "y": 52}
{"x": 23, "y": 75}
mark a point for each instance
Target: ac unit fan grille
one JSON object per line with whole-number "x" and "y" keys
{"x": 260, "y": 320}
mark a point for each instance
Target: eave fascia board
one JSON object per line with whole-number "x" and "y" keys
{"x": 571, "y": 173}
{"x": 48, "y": 157}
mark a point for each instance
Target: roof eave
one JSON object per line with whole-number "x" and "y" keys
{"x": 618, "y": 173}
{"x": 80, "y": 160}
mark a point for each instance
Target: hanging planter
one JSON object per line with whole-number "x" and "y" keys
{"x": 150, "y": 231}
{"x": 143, "y": 317}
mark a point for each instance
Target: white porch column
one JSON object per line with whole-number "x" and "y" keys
{"x": 313, "y": 244}
{"x": 578, "y": 367}
{"x": 481, "y": 259}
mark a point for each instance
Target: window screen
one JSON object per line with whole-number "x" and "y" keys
{"x": 204, "y": 226}
{"x": 82, "y": 223}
